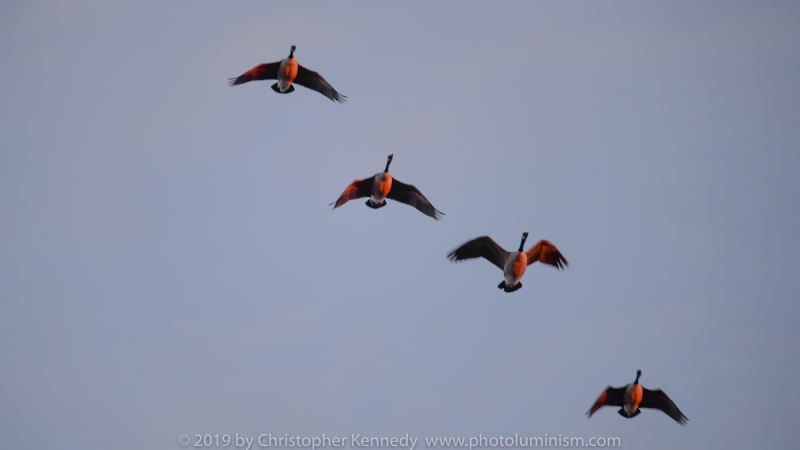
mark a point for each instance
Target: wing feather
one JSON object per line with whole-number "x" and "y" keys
{"x": 482, "y": 247}
{"x": 657, "y": 399}
{"x": 545, "y": 252}
{"x": 260, "y": 72}
{"x": 610, "y": 397}
{"x": 410, "y": 195}
{"x": 313, "y": 80}
{"x": 357, "y": 189}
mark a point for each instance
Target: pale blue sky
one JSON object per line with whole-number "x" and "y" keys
{"x": 169, "y": 263}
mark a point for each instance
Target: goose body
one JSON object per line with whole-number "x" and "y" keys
{"x": 513, "y": 264}
{"x": 288, "y": 72}
{"x": 514, "y": 268}
{"x": 381, "y": 186}
{"x": 634, "y": 396}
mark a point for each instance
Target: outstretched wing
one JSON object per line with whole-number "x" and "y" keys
{"x": 657, "y": 399}
{"x": 408, "y": 194}
{"x": 357, "y": 189}
{"x": 545, "y": 252}
{"x": 313, "y": 80}
{"x": 610, "y": 397}
{"x": 259, "y": 72}
{"x": 482, "y": 247}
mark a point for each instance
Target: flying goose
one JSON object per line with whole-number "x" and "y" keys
{"x": 382, "y": 186}
{"x": 635, "y": 396}
{"x": 287, "y": 72}
{"x": 513, "y": 264}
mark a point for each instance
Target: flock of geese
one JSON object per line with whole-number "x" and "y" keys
{"x": 287, "y": 72}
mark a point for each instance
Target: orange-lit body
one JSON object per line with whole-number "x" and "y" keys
{"x": 287, "y": 72}
{"x": 633, "y": 397}
{"x": 381, "y": 187}
{"x": 515, "y": 268}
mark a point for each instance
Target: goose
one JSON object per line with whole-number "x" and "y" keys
{"x": 635, "y": 396}
{"x": 381, "y": 186}
{"x": 513, "y": 264}
{"x": 288, "y": 72}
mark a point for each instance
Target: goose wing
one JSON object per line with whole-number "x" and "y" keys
{"x": 610, "y": 397}
{"x": 545, "y": 252}
{"x": 408, "y": 194}
{"x": 482, "y": 247}
{"x": 313, "y": 80}
{"x": 259, "y": 72}
{"x": 657, "y": 399}
{"x": 357, "y": 189}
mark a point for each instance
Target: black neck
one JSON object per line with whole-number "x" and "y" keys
{"x": 522, "y": 243}
{"x": 388, "y": 161}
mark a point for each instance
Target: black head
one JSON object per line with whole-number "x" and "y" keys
{"x": 638, "y": 374}
{"x": 522, "y": 243}
{"x": 388, "y": 161}
{"x": 291, "y": 53}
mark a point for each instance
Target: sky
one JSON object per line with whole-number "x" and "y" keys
{"x": 170, "y": 264}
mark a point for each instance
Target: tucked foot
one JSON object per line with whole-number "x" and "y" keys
{"x": 278, "y": 90}
{"x": 624, "y": 414}
{"x": 508, "y": 288}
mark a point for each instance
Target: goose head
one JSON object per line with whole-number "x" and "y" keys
{"x": 388, "y": 161}
{"x": 522, "y": 243}
{"x": 291, "y": 53}
{"x": 638, "y": 374}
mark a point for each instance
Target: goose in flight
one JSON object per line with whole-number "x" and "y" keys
{"x": 381, "y": 186}
{"x": 513, "y": 264}
{"x": 635, "y": 396}
{"x": 288, "y": 72}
